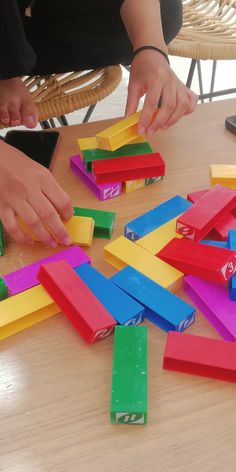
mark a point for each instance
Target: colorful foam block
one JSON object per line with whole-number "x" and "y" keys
{"x": 3, "y": 290}
{"x": 91, "y": 155}
{"x": 231, "y": 243}
{"x": 1, "y": 241}
{"x": 128, "y": 168}
{"x": 26, "y": 277}
{"x": 162, "y": 307}
{"x": 197, "y": 355}
{"x": 122, "y": 307}
{"x": 105, "y": 221}
{"x": 196, "y": 222}
{"x": 122, "y": 252}
{"x": 80, "y": 229}
{"x": 213, "y": 301}
{"x": 153, "y": 242}
{"x": 133, "y": 185}
{"x": 129, "y": 376}
{"x": 119, "y": 134}
{"x": 24, "y": 310}
{"x": 209, "y": 262}
{"x": 224, "y": 175}
{"x": 156, "y": 217}
{"x": 223, "y": 226}
{"x": 103, "y": 192}
{"x": 82, "y": 308}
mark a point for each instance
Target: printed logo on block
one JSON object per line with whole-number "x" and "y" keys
{"x": 129, "y": 234}
{"x": 186, "y": 323}
{"x": 134, "y": 321}
{"x": 111, "y": 192}
{"x": 228, "y": 270}
{"x": 130, "y": 418}
{"x": 185, "y": 231}
{"x": 152, "y": 180}
{"x": 103, "y": 333}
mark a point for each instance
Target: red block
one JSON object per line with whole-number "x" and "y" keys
{"x": 192, "y": 258}
{"x": 122, "y": 169}
{"x": 204, "y": 215}
{"x": 79, "y": 304}
{"x": 198, "y": 355}
{"x": 223, "y": 227}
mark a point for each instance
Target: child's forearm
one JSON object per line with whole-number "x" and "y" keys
{"x": 142, "y": 20}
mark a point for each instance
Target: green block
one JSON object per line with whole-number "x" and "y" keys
{"x": 129, "y": 376}
{"x": 1, "y": 241}
{"x": 3, "y": 290}
{"x": 90, "y": 155}
{"x": 105, "y": 221}
{"x": 152, "y": 180}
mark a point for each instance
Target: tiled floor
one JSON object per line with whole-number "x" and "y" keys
{"x": 114, "y": 105}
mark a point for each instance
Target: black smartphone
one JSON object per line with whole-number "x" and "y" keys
{"x": 38, "y": 145}
{"x": 230, "y": 123}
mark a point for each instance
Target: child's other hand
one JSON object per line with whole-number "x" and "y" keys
{"x": 28, "y": 190}
{"x": 151, "y": 75}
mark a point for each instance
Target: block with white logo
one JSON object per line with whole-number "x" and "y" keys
{"x": 162, "y": 307}
{"x": 129, "y": 376}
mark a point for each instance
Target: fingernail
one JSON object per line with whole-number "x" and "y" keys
{"x": 67, "y": 241}
{"x": 30, "y": 121}
{"x": 142, "y": 130}
{"x": 5, "y": 119}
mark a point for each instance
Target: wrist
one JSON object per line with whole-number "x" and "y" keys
{"x": 152, "y": 48}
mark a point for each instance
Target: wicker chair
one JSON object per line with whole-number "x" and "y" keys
{"x": 60, "y": 94}
{"x": 208, "y": 32}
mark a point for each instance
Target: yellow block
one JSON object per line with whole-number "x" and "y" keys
{"x": 91, "y": 143}
{"x": 119, "y": 134}
{"x": 153, "y": 242}
{"x": 122, "y": 252}
{"x": 224, "y": 175}
{"x": 25, "y": 309}
{"x": 132, "y": 185}
{"x": 80, "y": 229}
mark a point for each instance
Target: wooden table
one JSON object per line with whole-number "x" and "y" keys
{"x": 55, "y": 389}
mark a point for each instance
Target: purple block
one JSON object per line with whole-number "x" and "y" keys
{"x": 213, "y": 301}
{"x": 102, "y": 191}
{"x": 26, "y": 277}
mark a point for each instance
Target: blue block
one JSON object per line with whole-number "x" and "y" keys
{"x": 232, "y": 239}
{"x": 124, "y": 309}
{"x": 156, "y": 217}
{"x": 222, "y": 244}
{"x": 162, "y": 307}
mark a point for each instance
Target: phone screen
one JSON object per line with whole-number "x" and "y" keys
{"x": 38, "y": 145}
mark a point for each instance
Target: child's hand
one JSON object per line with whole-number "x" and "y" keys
{"x": 151, "y": 75}
{"x": 28, "y": 190}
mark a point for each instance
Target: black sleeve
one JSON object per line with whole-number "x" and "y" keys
{"x": 16, "y": 55}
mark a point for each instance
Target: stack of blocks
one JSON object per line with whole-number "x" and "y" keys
{"x": 117, "y": 159}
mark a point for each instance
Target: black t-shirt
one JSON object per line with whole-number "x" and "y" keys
{"x": 60, "y": 36}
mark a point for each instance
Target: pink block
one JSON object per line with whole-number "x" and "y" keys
{"x": 214, "y": 302}
{"x": 102, "y": 191}
{"x": 26, "y": 277}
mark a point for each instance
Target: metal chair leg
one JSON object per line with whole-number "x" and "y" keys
{"x": 199, "y": 70}
{"x": 191, "y": 73}
{"x": 45, "y": 124}
{"x": 63, "y": 120}
{"x": 52, "y": 123}
{"x": 89, "y": 113}
{"x": 213, "y": 76}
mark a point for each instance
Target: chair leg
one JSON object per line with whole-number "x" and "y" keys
{"x": 45, "y": 124}
{"x": 89, "y": 113}
{"x": 52, "y": 123}
{"x": 199, "y": 70}
{"x": 213, "y": 76}
{"x": 191, "y": 73}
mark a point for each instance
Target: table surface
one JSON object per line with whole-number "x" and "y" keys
{"x": 55, "y": 389}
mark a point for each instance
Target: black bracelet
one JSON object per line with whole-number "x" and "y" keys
{"x": 143, "y": 48}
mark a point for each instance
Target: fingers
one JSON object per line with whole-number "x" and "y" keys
{"x": 34, "y": 225}
{"x": 186, "y": 103}
{"x": 29, "y": 115}
{"x": 58, "y": 198}
{"x": 12, "y": 227}
{"x": 4, "y": 115}
{"x": 150, "y": 105}
{"x": 51, "y": 220}
{"x": 15, "y": 115}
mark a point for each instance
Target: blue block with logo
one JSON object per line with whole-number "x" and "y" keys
{"x": 156, "y": 217}
{"x": 162, "y": 307}
{"x": 124, "y": 309}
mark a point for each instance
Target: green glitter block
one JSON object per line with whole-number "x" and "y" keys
{"x": 129, "y": 376}
{"x": 90, "y": 155}
{"x": 105, "y": 221}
